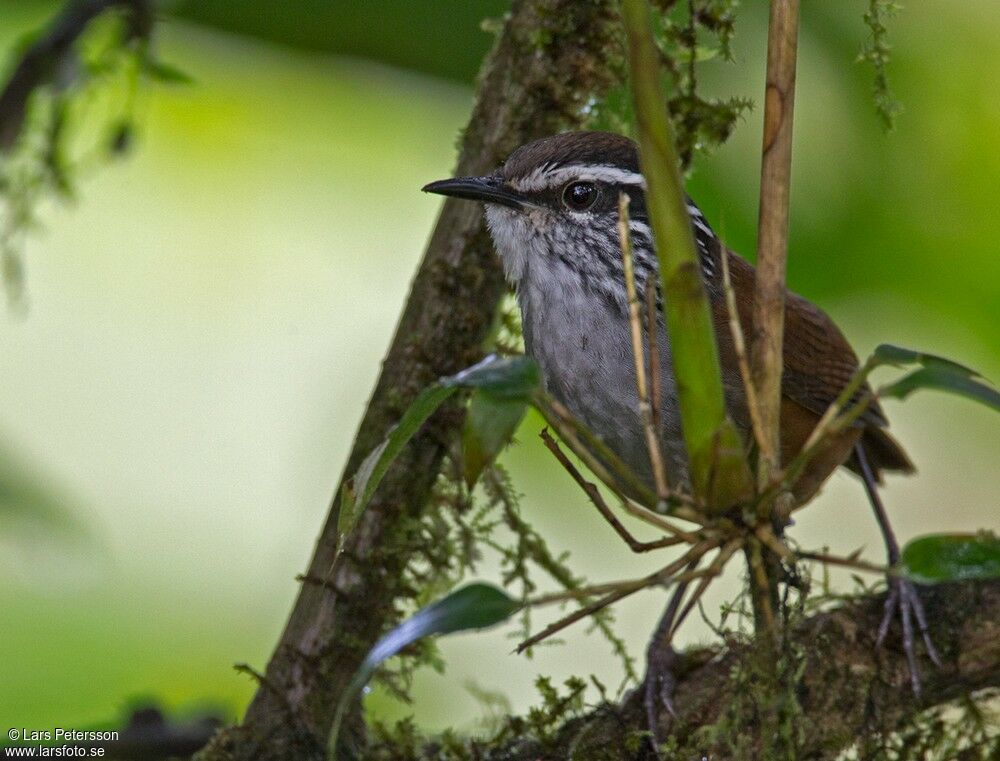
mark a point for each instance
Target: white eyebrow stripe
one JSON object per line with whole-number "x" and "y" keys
{"x": 543, "y": 177}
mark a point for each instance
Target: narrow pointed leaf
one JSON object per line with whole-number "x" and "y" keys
{"x": 887, "y": 354}
{"x": 513, "y": 379}
{"x": 952, "y": 557}
{"x": 943, "y": 378}
{"x": 474, "y": 606}
{"x": 489, "y": 425}
{"x": 374, "y": 467}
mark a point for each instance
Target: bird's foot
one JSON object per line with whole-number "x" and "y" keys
{"x": 903, "y": 601}
{"x": 658, "y": 690}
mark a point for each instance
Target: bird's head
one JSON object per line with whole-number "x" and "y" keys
{"x": 558, "y": 195}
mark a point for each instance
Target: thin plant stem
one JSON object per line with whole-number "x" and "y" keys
{"x": 848, "y": 562}
{"x": 763, "y": 592}
{"x": 653, "y": 344}
{"x": 739, "y": 345}
{"x": 714, "y": 569}
{"x": 663, "y": 576}
{"x": 772, "y": 231}
{"x": 594, "y": 494}
{"x": 645, "y": 408}
{"x": 711, "y": 439}
{"x": 592, "y": 450}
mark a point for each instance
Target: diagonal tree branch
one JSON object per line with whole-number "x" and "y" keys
{"x": 552, "y": 56}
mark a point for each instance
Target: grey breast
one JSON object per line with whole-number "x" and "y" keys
{"x": 579, "y": 336}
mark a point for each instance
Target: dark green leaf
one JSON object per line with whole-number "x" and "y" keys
{"x": 474, "y": 606}
{"x": 489, "y": 425}
{"x": 952, "y": 557}
{"x": 943, "y": 378}
{"x": 504, "y": 378}
{"x": 887, "y": 354}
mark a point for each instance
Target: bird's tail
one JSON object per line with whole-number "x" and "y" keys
{"x": 883, "y": 453}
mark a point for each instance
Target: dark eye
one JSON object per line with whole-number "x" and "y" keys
{"x": 580, "y": 196}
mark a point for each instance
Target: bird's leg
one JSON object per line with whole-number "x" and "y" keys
{"x": 660, "y": 681}
{"x": 902, "y": 595}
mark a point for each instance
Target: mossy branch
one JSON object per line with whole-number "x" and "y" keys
{"x": 717, "y": 467}
{"x": 850, "y": 693}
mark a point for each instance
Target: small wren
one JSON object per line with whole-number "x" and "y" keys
{"x": 552, "y": 211}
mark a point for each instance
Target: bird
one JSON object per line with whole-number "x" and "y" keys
{"x": 552, "y": 210}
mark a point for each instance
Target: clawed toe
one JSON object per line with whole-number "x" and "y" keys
{"x": 658, "y": 689}
{"x": 904, "y": 599}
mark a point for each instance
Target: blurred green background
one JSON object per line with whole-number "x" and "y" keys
{"x": 205, "y": 325}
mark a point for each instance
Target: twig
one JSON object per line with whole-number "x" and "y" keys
{"x": 602, "y": 507}
{"x": 766, "y": 535}
{"x": 848, "y": 562}
{"x": 568, "y": 595}
{"x": 834, "y": 420}
{"x": 662, "y": 576}
{"x": 655, "y": 519}
{"x": 772, "y": 230}
{"x": 653, "y": 344}
{"x": 645, "y": 410}
{"x": 714, "y": 569}
{"x": 592, "y": 450}
{"x": 762, "y": 587}
{"x": 739, "y": 345}
{"x": 571, "y": 431}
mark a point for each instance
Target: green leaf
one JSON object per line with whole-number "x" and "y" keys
{"x": 474, "y": 606}
{"x": 489, "y": 425}
{"x": 952, "y": 557}
{"x": 504, "y": 378}
{"x": 374, "y": 467}
{"x": 887, "y": 354}
{"x": 943, "y": 378}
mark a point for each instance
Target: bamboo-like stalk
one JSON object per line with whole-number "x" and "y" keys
{"x": 717, "y": 468}
{"x": 772, "y": 230}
